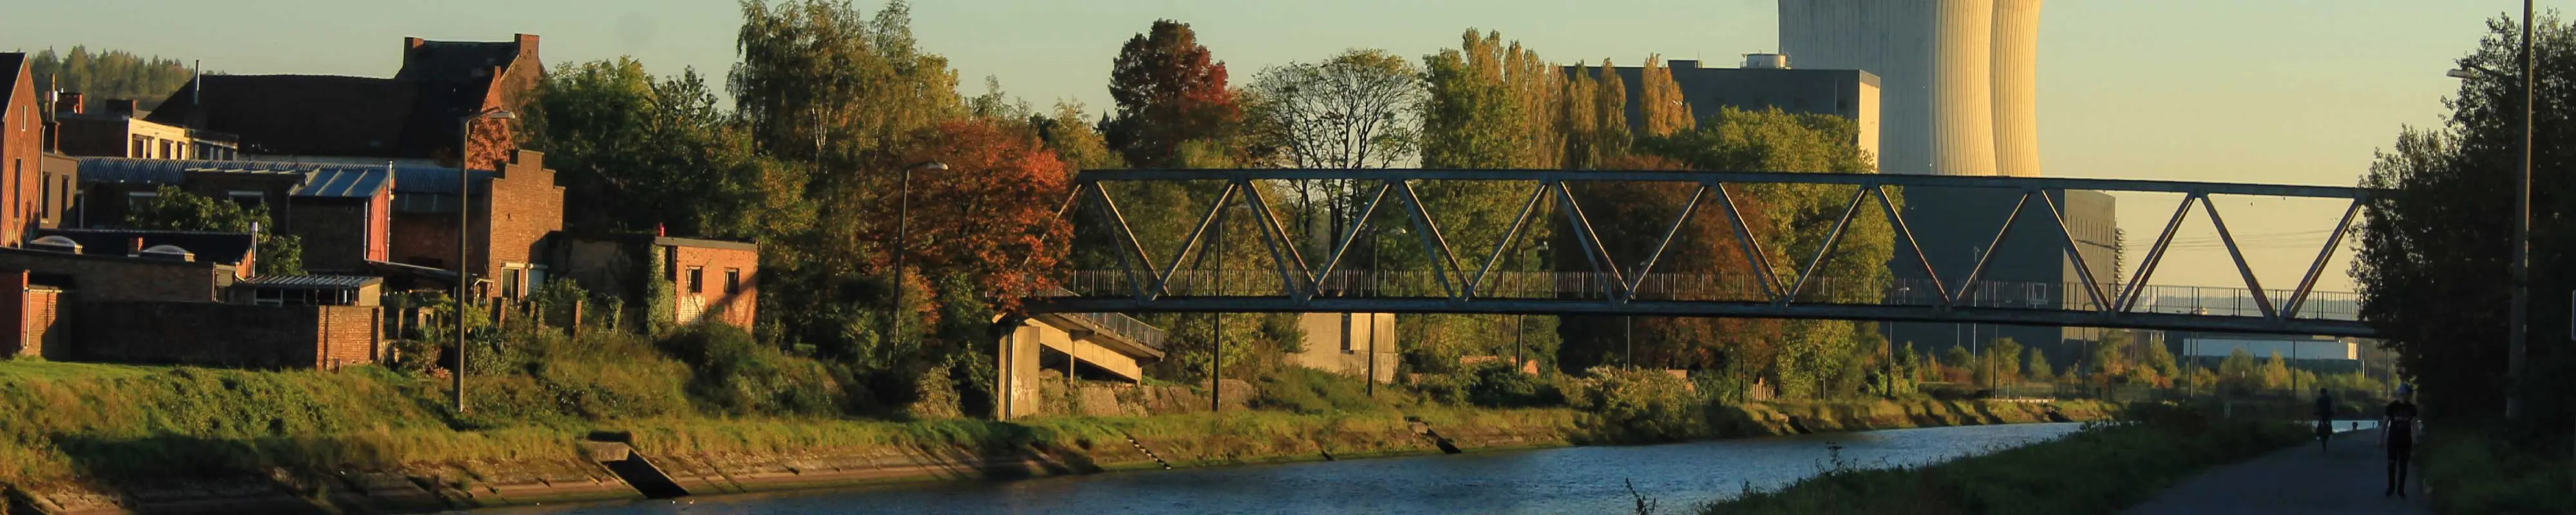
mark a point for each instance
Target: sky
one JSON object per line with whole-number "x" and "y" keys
{"x": 2268, "y": 91}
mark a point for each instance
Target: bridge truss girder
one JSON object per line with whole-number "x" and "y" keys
{"x": 2114, "y": 303}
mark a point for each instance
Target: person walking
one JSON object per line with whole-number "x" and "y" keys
{"x": 2325, "y": 420}
{"x": 2397, "y": 429}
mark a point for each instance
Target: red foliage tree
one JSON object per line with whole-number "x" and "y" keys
{"x": 992, "y": 215}
{"x": 1168, "y": 91}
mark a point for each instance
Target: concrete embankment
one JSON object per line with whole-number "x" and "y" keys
{"x": 585, "y": 471}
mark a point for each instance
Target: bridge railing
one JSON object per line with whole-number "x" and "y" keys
{"x": 2061, "y": 296}
{"x": 1117, "y": 323}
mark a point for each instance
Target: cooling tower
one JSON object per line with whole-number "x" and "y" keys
{"x": 2016, "y": 80}
{"x": 1955, "y": 76}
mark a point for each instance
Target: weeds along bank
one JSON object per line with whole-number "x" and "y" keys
{"x": 2102, "y": 469}
{"x": 723, "y": 415}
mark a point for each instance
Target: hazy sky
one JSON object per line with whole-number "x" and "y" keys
{"x": 2279, "y": 91}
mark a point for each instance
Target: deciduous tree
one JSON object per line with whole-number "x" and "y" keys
{"x": 1169, "y": 91}
{"x": 173, "y": 209}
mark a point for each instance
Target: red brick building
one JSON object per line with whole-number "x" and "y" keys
{"x": 22, "y": 134}
{"x": 707, "y": 280}
{"x": 511, "y": 215}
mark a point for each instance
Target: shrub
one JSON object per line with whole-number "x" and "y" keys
{"x": 1638, "y": 406}
{"x": 1498, "y": 385}
{"x": 735, "y": 375}
{"x": 1306, "y": 390}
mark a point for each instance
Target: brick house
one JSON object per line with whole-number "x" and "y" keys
{"x": 513, "y": 213}
{"x": 707, "y": 280}
{"x": 22, "y": 135}
{"x": 343, "y": 213}
{"x": 156, "y": 305}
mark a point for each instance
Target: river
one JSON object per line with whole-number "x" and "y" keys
{"x": 1561, "y": 480}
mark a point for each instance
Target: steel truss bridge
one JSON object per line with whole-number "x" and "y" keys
{"x": 1298, "y": 283}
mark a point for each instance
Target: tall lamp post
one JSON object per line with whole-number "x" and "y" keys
{"x": 464, "y": 224}
{"x": 2517, "y": 333}
{"x": 902, "y": 226}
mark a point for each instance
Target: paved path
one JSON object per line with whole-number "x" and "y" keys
{"x": 2347, "y": 480}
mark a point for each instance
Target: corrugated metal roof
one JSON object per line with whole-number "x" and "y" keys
{"x": 420, "y": 179}
{"x": 312, "y": 281}
{"x": 344, "y": 183}
{"x": 319, "y": 179}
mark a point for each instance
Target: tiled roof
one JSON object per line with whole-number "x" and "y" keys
{"x": 313, "y": 282}
{"x": 319, "y": 179}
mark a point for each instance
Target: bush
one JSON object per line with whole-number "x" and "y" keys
{"x": 1497, "y": 385}
{"x": 1638, "y": 406}
{"x": 735, "y": 375}
{"x": 1310, "y": 391}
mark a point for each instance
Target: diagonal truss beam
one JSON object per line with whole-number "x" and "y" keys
{"x": 1445, "y": 262}
{"x": 1510, "y": 238}
{"x": 1675, "y": 229}
{"x": 1130, "y": 248}
{"x": 1294, "y": 280}
{"x": 2075, "y": 251}
{"x": 2333, "y": 242}
{"x": 1189, "y": 246}
{"x": 1593, "y": 251}
{"x": 2252, "y": 286}
{"x": 1763, "y": 275}
{"x": 1357, "y": 227}
{"x": 1905, "y": 235}
{"x": 1827, "y": 249}
{"x": 2155, "y": 255}
{"x": 1986, "y": 254}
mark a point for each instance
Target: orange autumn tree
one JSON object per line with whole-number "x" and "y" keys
{"x": 991, "y": 217}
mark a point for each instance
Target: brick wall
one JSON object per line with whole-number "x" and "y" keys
{"x": 425, "y": 239}
{"x": 526, "y": 206}
{"x": 739, "y": 307}
{"x": 203, "y": 333}
{"x": 334, "y": 233}
{"x": 43, "y": 331}
{"x": 22, "y": 135}
{"x": 107, "y": 278}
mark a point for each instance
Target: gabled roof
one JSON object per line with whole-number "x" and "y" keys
{"x": 296, "y": 114}
{"x": 213, "y": 247}
{"x": 13, "y": 68}
{"x": 313, "y": 282}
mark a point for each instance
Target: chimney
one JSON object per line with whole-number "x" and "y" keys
{"x": 527, "y": 44}
{"x": 134, "y": 247}
{"x": 122, "y": 107}
{"x": 411, "y": 43}
{"x": 71, "y": 103}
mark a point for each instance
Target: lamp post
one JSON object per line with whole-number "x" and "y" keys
{"x": 2519, "y": 313}
{"x": 902, "y": 226}
{"x": 464, "y": 228}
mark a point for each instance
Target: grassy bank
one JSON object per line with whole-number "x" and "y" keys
{"x": 2102, "y": 469}
{"x": 2477, "y": 470}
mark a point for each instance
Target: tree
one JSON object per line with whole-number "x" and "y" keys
{"x": 2037, "y": 368}
{"x": 1491, "y": 106}
{"x": 1074, "y": 140}
{"x": 2240, "y": 373}
{"x": 2432, "y": 255}
{"x": 1358, "y": 110}
{"x": 637, "y": 153}
{"x": 2005, "y": 358}
{"x": 109, "y": 74}
{"x": 991, "y": 217}
{"x": 1169, "y": 90}
{"x": 173, "y": 209}
{"x": 1662, "y": 109}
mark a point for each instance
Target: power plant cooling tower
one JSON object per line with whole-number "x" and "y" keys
{"x": 1956, "y": 76}
{"x": 2016, "y": 87}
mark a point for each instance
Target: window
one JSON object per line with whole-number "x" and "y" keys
{"x": 697, "y": 280}
{"x": 139, "y": 145}
{"x": 1346, "y": 333}
{"x": 137, "y": 198}
{"x": 733, "y": 281}
{"x": 510, "y": 283}
{"x": 248, "y": 198}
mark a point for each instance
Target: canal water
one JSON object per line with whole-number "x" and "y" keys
{"x": 1562, "y": 480}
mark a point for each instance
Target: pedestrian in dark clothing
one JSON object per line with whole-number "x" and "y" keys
{"x": 2325, "y": 420}
{"x": 2397, "y": 428}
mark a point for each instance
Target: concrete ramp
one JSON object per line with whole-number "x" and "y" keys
{"x": 1093, "y": 344}
{"x": 633, "y": 468}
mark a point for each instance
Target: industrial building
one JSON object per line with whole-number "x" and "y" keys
{"x": 1958, "y": 82}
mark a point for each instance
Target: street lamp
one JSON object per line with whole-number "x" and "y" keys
{"x": 464, "y": 221}
{"x": 2520, "y": 312}
{"x": 902, "y": 225}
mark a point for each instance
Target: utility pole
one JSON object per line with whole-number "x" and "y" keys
{"x": 903, "y": 226}
{"x": 1216, "y": 358}
{"x": 2521, "y": 309}
{"x": 464, "y": 238}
